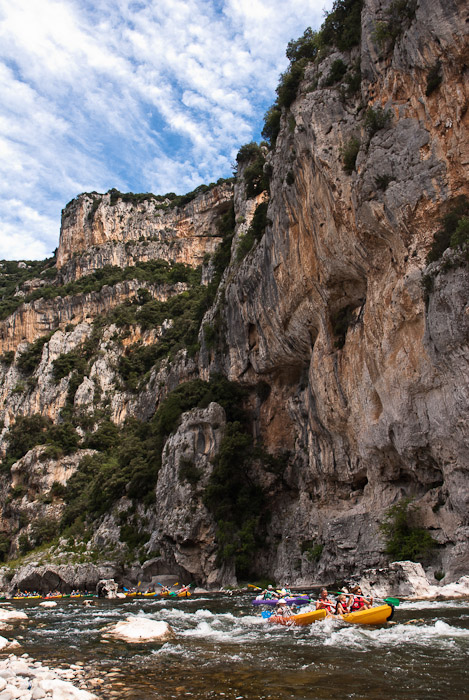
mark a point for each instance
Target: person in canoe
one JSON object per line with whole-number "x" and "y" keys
{"x": 267, "y": 594}
{"x": 325, "y": 603}
{"x": 282, "y": 609}
{"x": 341, "y": 606}
{"x": 357, "y": 601}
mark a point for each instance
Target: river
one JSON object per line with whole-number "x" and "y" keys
{"x": 224, "y": 649}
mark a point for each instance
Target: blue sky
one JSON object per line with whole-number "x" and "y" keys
{"x": 141, "y": 95}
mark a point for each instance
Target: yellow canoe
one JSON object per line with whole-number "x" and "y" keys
{"x": 371, "y": 616}
{"x": 173, "y": 594}
{"x": 301, "y": 619}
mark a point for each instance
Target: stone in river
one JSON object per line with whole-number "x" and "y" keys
{"x": 140, "y": 629}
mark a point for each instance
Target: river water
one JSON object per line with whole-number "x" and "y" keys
{"x": 224, "y": 649}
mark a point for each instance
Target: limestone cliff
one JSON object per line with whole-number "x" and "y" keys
{"x": 352, "y": 350}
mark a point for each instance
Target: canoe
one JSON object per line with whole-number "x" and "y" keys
{"x": 25, "y": 597}
{"x": 371, "y": 616}
{"x": 173, "y": 594}
{"x": 297, "y": 600}
{"x": 150, "y": 594}
{"x": 301, "y": 619}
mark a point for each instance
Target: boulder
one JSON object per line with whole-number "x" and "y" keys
{"x": 48, "y": 604}
{"x": 9, "y": 615}
{"x": 106, "y": 588}
{"x": 136, "y": 628}
{"x": 400, "y": 578}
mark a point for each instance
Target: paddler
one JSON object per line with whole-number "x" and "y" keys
{"x": 282, "y": 609}
{"x": 357, "y": 601}
{"x": 325, "y": 603}
{"x": 341, "y": 607}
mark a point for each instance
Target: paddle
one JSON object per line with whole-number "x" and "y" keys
{"x": 389, "y": 601}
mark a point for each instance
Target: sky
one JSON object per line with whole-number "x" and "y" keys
{"x": 141, "y": 95}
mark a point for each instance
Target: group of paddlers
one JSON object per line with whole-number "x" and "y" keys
{"x": 345, "y": 602}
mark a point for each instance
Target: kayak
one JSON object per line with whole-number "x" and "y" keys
{"x": 371, "y": 616}
{"x": 297, "y": 600}
{"x": 301, "y": 619}
{"x": 173, "y": 594}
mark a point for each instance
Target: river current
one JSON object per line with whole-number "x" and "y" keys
{"x": 224, "y": 649}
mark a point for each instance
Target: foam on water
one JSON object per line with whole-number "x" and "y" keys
{"x": 441, "y": 634}
{"x": 433, "y": 604}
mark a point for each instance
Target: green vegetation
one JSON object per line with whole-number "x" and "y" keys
{"x": 312, "y": 549}
{"x": 342, "y": 26}
{"x": 235, "y": 501}
{"x": 13, "y": 276}
{"x": 30, "y": 358}
{"x": 403, "y": 540}
{"x": 454, "y": 231}
{"x": 434, "y": 78}
{"x": 382, "y": 181}
{"x": 189, "y": 472}
{"x": 336, "y": 73}
{"x": 170, "y": 199}
{"x": 254, "y": 177}
{"x": 254, "y": 232}
{"x": 349, "y": 153}
{"x": 7, "y": 358}
{"x": 29, "y": 431}
{"x": 5, "y": 544}
{"x": 376, "y": 119}
{"x": 399, "y": 16}
{"x": 128, "y": 460}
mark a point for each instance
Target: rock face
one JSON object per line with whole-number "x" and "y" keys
{"x": 362, "y": 405}
{"x": 352, "y": 349}
{"x": 96, "y": 232}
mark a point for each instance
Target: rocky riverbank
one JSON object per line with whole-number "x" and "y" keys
{"x": 23, "y": 678}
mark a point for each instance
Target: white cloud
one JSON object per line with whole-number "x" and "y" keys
{"x": 155, "y": 95}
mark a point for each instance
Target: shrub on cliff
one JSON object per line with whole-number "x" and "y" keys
{"x": 29, "y": 359}
{"x": 349, "y": 152}
{"x": 405, "y": 541}
{"x": 454, "y": 229}
{"x": 342, "y": 26}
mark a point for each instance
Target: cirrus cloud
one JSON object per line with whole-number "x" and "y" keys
{"x": 156, "y": 95}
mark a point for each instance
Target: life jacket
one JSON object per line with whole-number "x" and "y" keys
{"x": 344, "y": 608}
{"x": 326, "y": 604}
{"x": 357, "y": 604}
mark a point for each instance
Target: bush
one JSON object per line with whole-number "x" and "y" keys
{"x": 189, "y": 472}
{"x": 235, "y": 501}
{"x": 271, "y": 127}
{"x": 7, "y": 358}
{"x": 254, "y": 232}
{"x": 290, "y": 81}
{"x": 349, "y": 153}
{"x": 254, "y": 177}
{"x": 336, "y": 73}
{"x": 382, "y": 181}
{"x": 342, "y": 26}
{"x": 453, "y": 229}
{"x": 28, "y": 361}
{"x": 306, "y": 46}
{"x": 399, "y": 16}
{"x": 376, "y": 119}
{"x": 403, "y": 540}
{"x": 248, "y": 152}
